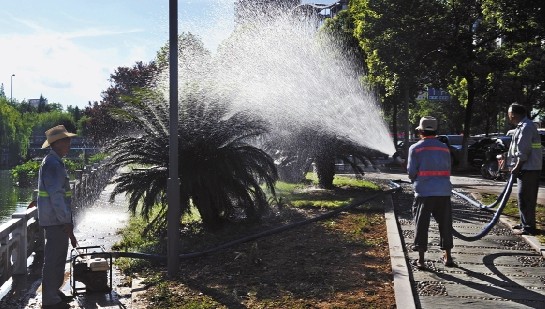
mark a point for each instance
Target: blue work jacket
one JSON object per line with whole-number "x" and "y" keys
{"x": 428, "y": 166}
{"x": 54, "y": 193}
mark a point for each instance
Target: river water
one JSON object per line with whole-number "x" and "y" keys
{"x": 12, "y": 198}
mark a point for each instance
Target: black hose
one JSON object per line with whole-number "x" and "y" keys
{"x": 163, "y": 259}
{"x": 480, "y": 205}
{"x": 504, "y": 198}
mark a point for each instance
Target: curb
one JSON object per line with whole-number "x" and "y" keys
{"x": 530, "y": 239}
{"x": 402, "y": 284}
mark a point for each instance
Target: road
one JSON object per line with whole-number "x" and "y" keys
{"x": 471, "y": 182}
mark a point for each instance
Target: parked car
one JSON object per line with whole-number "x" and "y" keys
{"x": 454, "y": 143}
{"x": 400, "y": 147}
{"x": 476, "y": 152}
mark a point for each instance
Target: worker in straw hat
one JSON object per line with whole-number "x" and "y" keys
{"x": 55, "y": 216}
{"x": 428, "y": 166}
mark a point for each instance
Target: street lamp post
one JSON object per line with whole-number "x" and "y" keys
{"x": 11, "y": 89}
{"x": 173, "y": 184}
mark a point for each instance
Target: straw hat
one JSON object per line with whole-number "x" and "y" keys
{"x": 427, "y": 123}
{"x": 54, "y": 134}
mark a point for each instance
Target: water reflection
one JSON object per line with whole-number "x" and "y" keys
{"x": 12, "y": 198}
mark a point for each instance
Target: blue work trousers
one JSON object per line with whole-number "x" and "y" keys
{"x": 55, "y": 253}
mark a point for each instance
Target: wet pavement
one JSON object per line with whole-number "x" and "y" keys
{"x": 500, "y": 270}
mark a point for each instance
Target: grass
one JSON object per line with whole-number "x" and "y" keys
{"x": 288, "y": 194}
{"x": 511, "y": 210}
{"x": 301, "y": 196}
{"x": 355, "y": 230}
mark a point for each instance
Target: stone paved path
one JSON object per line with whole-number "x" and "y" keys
{"x": 499, "y": 271}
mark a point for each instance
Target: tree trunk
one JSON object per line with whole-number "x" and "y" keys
{"x": 407, "y": 124}
{"x": 325, "y": 169}
{"x": 394, "y": 123}
{"x": 467, "y": 120}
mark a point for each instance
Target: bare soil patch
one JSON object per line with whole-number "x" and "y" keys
{"x": 341, "y": 262}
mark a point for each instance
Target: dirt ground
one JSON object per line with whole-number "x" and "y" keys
{"x": 341, "y": 262}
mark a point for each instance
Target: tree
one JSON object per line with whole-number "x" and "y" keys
{"x": 295, "y": 151}
{"x": 400, "y": 41}
{"x": 220, "y": 172}
{"x": 14, "y": 131}
{"x": 75, "y": 111}
{"x": 45, "y": 121}
{"x": 521, "y": 32}
{"x": 191, "y": 53}
{"x": 487, "y": 53}
{"x": 42, "y": 103}
{"x": 125, "y": 81}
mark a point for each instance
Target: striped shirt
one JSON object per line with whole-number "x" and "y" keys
{"x": 428, "y": 167}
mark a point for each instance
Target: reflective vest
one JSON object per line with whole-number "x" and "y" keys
{"x": 54, "y": 193}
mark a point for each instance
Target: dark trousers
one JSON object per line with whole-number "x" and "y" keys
{"x": 55, "y": 252}
{"x": 528, "y": 185}
{"x": 441, "y": 209}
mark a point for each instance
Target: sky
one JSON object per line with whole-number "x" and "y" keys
{"x": 66, "y": 50}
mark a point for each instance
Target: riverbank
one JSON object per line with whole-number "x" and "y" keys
{"x": 12, "y": 198}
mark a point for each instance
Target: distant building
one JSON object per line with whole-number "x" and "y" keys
{"x": 333, "y": 9}
{"x": 245, "y": 9}
{"x": 36, "y": 102}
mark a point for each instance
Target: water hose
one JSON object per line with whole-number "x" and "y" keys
{"x": 504, "y": 197}
{"x": 480, "y": 205}
{"x": 161, "y": 258}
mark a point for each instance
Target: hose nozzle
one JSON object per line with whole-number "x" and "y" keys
{"x": 397, "y": 157}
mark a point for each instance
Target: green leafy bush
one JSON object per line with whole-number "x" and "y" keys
{"x": 97, "y": 158}
{"x": 26, "y": 172}
{"x": 71, "y": 165}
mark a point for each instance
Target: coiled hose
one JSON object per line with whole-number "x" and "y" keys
{"x": 162, "y": 259}
{"x": 502, "y": 199}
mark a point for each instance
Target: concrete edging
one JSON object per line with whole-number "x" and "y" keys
{"x": 402, "y": 284}
{"x": 530, "y": 239}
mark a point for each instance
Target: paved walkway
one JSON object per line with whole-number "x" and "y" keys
{"x": 500, "y": 270}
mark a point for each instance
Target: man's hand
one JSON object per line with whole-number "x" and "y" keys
{"x": 69, "y": 229}
{"x": 516, "y": 168}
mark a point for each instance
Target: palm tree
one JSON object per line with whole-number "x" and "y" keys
{"x": 220, "y": 171}
{"x": 331, "y": 147}
{"x": 294, "y": 152}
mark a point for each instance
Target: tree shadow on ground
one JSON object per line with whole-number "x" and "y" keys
{"x": 340, "y": 261}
